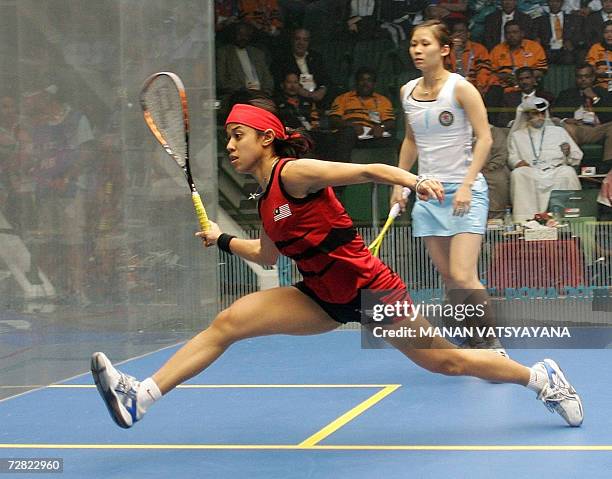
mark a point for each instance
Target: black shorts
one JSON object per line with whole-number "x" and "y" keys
{"x": 342, "y": 313}
{"x": 351, "y": 312}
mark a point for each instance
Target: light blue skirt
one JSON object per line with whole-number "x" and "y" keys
{"x": 432, "y": 218}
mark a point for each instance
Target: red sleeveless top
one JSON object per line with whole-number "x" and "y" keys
{"x": 318, "y": 234}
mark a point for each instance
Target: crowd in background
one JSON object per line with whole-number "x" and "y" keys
{"x": 71, "y": 134}
{"x": 289, "y": 50}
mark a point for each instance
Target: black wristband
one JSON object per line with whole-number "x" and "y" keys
{"x": 223, "y": 242}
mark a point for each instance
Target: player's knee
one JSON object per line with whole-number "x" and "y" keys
{"x": 224, "y": 327}
{"x": 462, "y": 278}
{"x": 448, "y": 363}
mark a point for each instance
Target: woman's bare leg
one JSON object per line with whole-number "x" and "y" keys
{"x": 275, "y": 311}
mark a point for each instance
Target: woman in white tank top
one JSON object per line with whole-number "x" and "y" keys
{"x": 443, "y": 113}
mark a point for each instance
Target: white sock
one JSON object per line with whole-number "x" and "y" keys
{"x": 148, "y": 393}
{"x": 537, "y": 379}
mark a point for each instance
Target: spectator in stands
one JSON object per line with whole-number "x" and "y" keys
{"x": 507, "y": 57}
{"x": 313, "y": 79}
{"x": 62, "y": 142}
{"x": 497, "y": 173}
{"x": 367, "y": 112}
{"x": 227, "y": 14}
{"x": 15, "y": 166}
{"x": 240, "y": 65}
{"x": 541, "y": 156}
{"x": 527, "y": 84}
{"x": 594, "y": 23}
{"x": 294, "y": 110}
{"x": 495, "y": 23}
{"x": 298, "y": 112}
{"x": 263, "y": 15}
{"x": 560, "y": 34}
{"x": 586, "y": 111}
{"x": 600, "y": 56}
{"x": 469, "y": 59}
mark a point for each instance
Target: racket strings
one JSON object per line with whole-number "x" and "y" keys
{"x": 163, "y": 102}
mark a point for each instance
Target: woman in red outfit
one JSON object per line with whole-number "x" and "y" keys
{"x": 303, "y": 219}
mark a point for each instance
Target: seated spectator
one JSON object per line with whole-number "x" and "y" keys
{"x": 495, "y": 24}
{"x": 294, "y": 110}
{"x": 62, "y": 141}
{"x": 586, "y": 111}
{"x": 469, "y": 59}
{"x": 313, "y": 78}
{"x": 263, "y": 15}
{"x": 598, "y": 57}
{"x": 541, "y": 156}
{"x": 497, "y": 173}
{"x": 560, "y": 34}
{"x": 17, "y": 201}
{"x": 527, "y": 84}
{"x": 240, "y": 65}
{"x": 594, "y": 23}
{"x": 298, "y": 112}
{"x": 368, "y": 113}
{"x": 513, "y": 53}
{"x": 226, "y": 14}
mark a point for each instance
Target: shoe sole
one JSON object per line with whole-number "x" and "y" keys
{"x": 559, "y": 372}
{"x": 108, "y": 396}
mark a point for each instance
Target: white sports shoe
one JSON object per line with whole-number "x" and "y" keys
{"x": 558, "y": 395}
{"x": 118, "y": 391}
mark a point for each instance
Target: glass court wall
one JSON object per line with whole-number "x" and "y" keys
{"x": 97, "y": 246}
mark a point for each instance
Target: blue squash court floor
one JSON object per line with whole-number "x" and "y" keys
{"x": 320, "y": 407}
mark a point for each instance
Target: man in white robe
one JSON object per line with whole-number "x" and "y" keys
{"x": 542, "y": 158}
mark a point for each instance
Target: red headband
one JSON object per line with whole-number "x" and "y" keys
{"x": 257, "y": 118}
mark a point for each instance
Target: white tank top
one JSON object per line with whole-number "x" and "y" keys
{"x": 442, "y": 132}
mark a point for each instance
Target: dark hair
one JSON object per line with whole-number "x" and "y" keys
{"x": 365, "y": 71}
{"x": 290, "y": 72}
{"x": 523, "y": 70}
{"x": 583, "y": 65}
{"x": 511, "y": 23}
{"x": 440, "y": 31}
{"x": 291, "y": 147}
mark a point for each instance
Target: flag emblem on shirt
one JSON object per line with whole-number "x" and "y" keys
{"x": 446, "y": 118}
{"x": 282, "y": 212}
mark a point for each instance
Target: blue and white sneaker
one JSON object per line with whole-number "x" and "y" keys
{"x": 558, "y": 395}
{"x": 118, "y": 391}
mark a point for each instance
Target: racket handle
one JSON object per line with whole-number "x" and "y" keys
{"x": 200, "y": 211}
{"x": 395, "y": 209}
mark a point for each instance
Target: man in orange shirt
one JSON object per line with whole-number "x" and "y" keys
{"x": 469, "y": 59}
{"x": 515, "y": 52}
{"x": 367, "y": 112}
{"x": 600, "y": 56}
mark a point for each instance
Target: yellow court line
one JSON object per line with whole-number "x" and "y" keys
{"x": 348, "y": 447}
{"x": 348, "y": 416}
{"x": 237, "y": 386}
